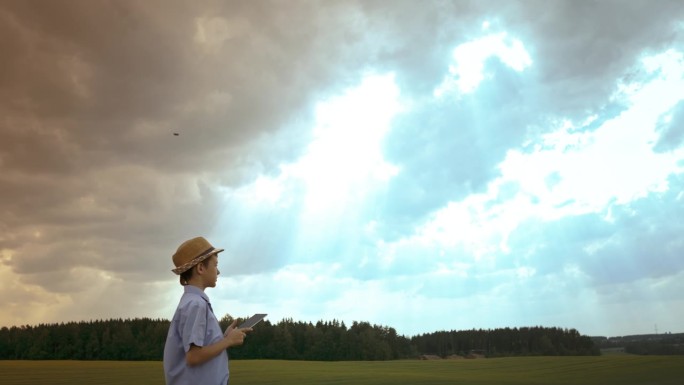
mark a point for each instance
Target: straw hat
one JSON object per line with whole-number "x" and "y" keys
{"x": 192, "y": 252}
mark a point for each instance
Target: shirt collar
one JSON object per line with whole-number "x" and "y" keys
{"x": 189, "y": 289}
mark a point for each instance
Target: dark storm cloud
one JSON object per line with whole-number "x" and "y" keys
{"x": 91, "y": 96}
{"x": 580, "y": 48}
{"x": 109, "y": 228}
{"x": 138, "y": 66}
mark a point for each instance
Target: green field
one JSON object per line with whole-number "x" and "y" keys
{"x": 604, "y": 370}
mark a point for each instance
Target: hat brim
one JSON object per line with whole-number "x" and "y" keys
{"x": 187, "y": 266}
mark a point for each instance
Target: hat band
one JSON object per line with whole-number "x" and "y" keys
{"x": 184, "y": 267}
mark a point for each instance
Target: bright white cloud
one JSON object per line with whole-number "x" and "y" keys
{"x": 614, "y": 164}
{"x": 569, "y": 171}
{"x": 345, "y": 157}
{"x": 469, "y": 61}
{"x": 318, "y": 197}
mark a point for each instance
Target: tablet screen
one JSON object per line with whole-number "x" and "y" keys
{"x": 251, "y": 321}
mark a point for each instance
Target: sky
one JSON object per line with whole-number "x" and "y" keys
{"x": 435, "y": 165}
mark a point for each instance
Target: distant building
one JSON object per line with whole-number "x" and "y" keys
{"x": 476, "y": 353}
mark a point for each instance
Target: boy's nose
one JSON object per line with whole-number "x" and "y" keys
{"x": 218, "y": 272}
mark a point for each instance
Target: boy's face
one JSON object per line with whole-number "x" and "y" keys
{"x": 211, "y": 272}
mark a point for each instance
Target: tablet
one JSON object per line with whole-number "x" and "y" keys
{"x": 251, "y": 321}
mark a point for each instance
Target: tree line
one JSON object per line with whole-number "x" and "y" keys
{"x": 503, "y": 342}
{"x": 645, "y": 344}
{"x": 143, "y": 339}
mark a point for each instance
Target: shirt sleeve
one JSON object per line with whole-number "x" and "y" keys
{"x": 194, "y": 327}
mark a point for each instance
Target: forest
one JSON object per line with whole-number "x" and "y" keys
{"x": 644, "y": 344}
{"x": 143, "y": 339}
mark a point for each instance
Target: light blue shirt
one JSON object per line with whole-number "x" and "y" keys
{"x": 194, "y": 323}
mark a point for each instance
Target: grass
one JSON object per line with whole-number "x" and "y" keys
{"x": 604, "y": 370}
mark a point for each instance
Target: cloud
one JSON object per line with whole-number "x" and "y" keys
{"x": 452, "y": 150}
{"x": 672, "y": 129}
{"x": 542, "y": 179}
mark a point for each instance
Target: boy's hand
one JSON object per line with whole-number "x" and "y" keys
{"x": 234, "y": 335}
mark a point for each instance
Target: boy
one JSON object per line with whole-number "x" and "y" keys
{"x": 195, "y": 349}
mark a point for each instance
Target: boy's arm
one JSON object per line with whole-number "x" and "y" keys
{"x": 200, "y": 354}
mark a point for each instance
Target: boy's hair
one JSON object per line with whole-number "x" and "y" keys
{"x": 186, "y": 275}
